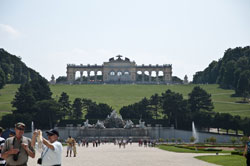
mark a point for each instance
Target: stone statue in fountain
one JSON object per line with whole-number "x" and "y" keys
{"x": 87, "y": 125}
{"x": 141, "y": 124}
{"x": 129, "y": 124}
{"x": 99, "y": 125}
{"x": 114, "y": 121}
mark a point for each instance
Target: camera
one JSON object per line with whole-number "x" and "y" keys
{"x": 15, "y": 156}
{"x": 39, "y": 161}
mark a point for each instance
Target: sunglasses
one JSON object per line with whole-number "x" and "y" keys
{"x": 20, "y": 128}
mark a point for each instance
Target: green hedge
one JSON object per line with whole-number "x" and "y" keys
{"x": 237, "y": 153}
{"x": 211, "y": 150}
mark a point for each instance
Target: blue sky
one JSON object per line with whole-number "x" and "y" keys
{"x": 189, "y": 34}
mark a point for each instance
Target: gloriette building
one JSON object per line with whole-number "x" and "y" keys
{"x": 119, "y": 71}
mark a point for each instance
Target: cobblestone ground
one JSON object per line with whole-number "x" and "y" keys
{"x": 132, "y": 155}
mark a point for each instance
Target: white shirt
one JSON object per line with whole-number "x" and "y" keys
{"x": 52, "y": 157}
{"x": 2, "y": 140}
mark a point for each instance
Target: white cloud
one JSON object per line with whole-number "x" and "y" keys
{"x": 9, "y": 30}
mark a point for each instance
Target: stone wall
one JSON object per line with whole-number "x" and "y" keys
{"x": 137, "y": 133}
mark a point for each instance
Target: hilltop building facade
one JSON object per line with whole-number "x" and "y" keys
{"x": 120, "y": 71}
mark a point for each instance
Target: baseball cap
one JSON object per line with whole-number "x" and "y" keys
{"x": 20, "y": 124}
{"x": 52, "y": 132}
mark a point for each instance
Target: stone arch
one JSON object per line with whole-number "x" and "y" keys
{"x": 112, "y": 73}
{"x": 139, "y": 75}
{"x": 99, "y": 76}
{"x": 119, "y": 73}
{"x": 146, "y": 75}
{"x": 126, "y": 72}
{"x": 77, "y": 76}
{"x": 161, "y": 76}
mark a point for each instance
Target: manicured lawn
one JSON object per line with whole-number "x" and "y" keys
{"x": 225, "y": 160}
{"x": 6, "y": 96}
{"x": 176, "y": 149}
{"x": 172, "y": 148}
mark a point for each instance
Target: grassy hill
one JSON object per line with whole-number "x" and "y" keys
{"x": 122, "y": 95}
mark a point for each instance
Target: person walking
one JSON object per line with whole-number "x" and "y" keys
{"x": 246, "y": 152}
{"x": 69, "y": 146}
{"x": 2, "y": 140}
{"x": 17, "y": 149}
{"x": 51, "y": 149}
{"x": 74, "y": 147}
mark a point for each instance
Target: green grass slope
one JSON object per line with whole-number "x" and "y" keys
{"x": 118, "y": 96}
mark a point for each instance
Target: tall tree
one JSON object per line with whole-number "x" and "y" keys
{"x": 243, "y": 85}
{"x": 24, "y": 99}
{"x": 2, "y": 78}
{"x": 65, "y": 105}
{"x": 77, "y": 108}
{"x": 155, "y": 103}
{"x": 228, "y": 77}
{"x": 199, "y": 99}
{"x": 173, "y": 106}
{"x": 41, "y": 89}
{"x": 47, "y": 113}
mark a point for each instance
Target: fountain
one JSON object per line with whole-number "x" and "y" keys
{"x": 141, "y": 124}
{"x": 87, "y": 125}
{"x": 32, "y": 128}
{"x": 99, "y": 125}
{"x": 114, "y": 121}
{"x": 194, "y": 132}
{"x": 114, "y": 127}
{"x": 129, "y": 124}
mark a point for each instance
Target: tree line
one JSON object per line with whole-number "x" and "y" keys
{"x": 33, "y": 102}
{"x": 171, "y": 109}
{"x": 13, "y": 70}
{"x": 230, "y": 72}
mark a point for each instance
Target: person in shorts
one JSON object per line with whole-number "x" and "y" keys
{"x": 69, "y": 146}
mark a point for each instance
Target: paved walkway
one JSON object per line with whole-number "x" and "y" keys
{"x": 132, "y": 155}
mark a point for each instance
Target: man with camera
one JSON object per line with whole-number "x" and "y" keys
{"x": 51, "y": 149}
{"x": 17, "y": 149}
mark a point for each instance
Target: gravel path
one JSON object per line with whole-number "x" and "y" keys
{"x": 132, "y": 155}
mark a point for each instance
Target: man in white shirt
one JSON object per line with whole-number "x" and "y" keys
{"x": 52, "y": 149}
{"x": 2, "y": 140}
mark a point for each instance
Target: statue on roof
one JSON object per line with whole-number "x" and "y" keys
{"x": 127, "y": 59}
{"x": 111, "y": 59}
{"x": 119, "y": 57}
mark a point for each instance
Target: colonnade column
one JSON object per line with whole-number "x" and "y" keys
{"x": 95, "y": 76}
{"x": 81, "y": 76}
{"x": 157, "y": 76}
{"x": 150, "y": 76}
{"x": 88, "y": 76}
{"x": 165, "y": 77}
{"x": 143, "y": 74}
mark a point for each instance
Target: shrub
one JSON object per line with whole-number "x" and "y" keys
{"x": 192, "y": 139}
{"x": 244, "y": 140}
{"x": 161, "y": 139}
{"x": 233, "y": 140}
{"x": 173, "y": 140}
{"x": 212, "y": 150}
{"x": 212, "y": 140}
{"x": 179, "y": 140}
{"x": 237, "y": 153}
